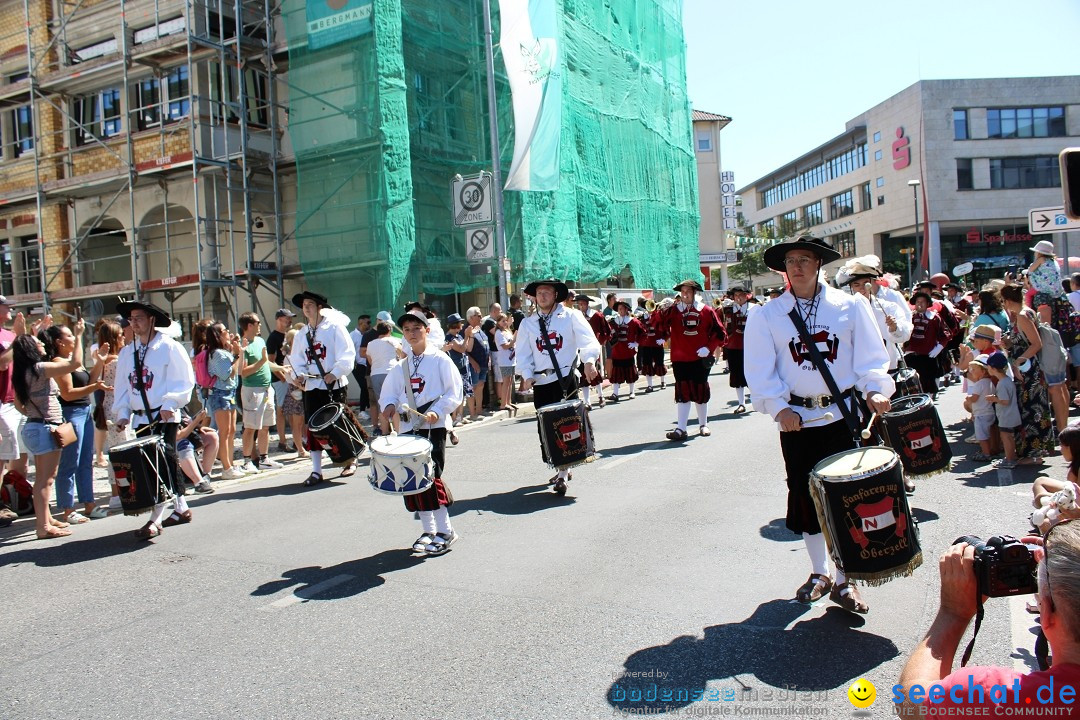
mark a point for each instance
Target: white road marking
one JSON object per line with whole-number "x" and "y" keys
{"x": 619, "y": 461}
{"x": 306, "y": 593}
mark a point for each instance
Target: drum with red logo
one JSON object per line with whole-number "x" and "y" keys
{"x": 143, "y": 474}
{"x": 907, "y": 383}
{"x": 566, "y": 433}
{"x": 340, "y": 433}
{"x": 864, "y": 514}
{"x": 913, "y": 428}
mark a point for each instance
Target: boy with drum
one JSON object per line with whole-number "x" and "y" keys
{"x": 786, "y": 384}
{"x": 433, "y": 393}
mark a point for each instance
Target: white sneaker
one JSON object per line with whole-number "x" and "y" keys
{"x": 247, "y": 467}
{"x": 233, "y": 473}
{"x": 364, "y": 415}
{"x": 268, "y": 463}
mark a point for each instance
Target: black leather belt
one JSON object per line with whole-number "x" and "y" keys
{"x": 821, "y": 401}
{"x": 143, "y": 412}
{"x": 551, "y": 372}
{"x": 35, "y": 420}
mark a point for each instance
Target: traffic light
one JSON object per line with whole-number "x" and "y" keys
{"x": 1069, "y": 160}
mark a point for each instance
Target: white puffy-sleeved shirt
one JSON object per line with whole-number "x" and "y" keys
{"x": 334, "y": 348}
{"x": 894, "y": 296}
{"x": 880, "y": 308}
{"x": 570, "y": 335}
{"x": 778, "y": 365}
{"x": 435, "y": 379}
{"x": 167, "y": 375}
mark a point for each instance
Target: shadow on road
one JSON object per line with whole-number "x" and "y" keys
{"x": 922, "y": 515}
{"x": 70, "y": 552}
{"x": 519, "y": 501}
{"x": 286, "y": 487}
{"x": 632, "y": 449}
{"x": 777, "y": 531}
{"x": 365, "y": 574}
{"x": 674, "y": 675}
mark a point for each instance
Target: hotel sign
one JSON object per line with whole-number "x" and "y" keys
{"x": 727, "y": 200}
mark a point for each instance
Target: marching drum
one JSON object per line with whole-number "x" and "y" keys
{"x": 863, "y": 511}
{"x": 566, "y": 433}
{"x": 334, "y": 426}
{"x": 907, "y": 383}
{"x": 401, "y": 464}
{"x": 142, "y": 473}
{"x": 914, "y": 430}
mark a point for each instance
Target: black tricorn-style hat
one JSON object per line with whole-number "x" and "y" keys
{"x": 915, "y": 295}
{"x": 299, "y": 298}
{"x": 561, "y": 290}
{"x": 774, "y": 256}
{"x": 955, "y": 286}
{"x": 691, "y": 283}
{"x": 582, "y": 297}
{"x": 620, "y": 301}
{"x": 161, "y": 318}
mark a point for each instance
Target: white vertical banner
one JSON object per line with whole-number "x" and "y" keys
{"x": 530, "y": 50}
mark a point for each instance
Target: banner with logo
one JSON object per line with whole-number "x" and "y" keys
{"x": 333, "y": 21}
{"x": 530, "y": 48}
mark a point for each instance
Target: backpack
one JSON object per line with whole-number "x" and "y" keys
{"x": 1052, "y": 357}
{"x": 17, "y": 493}
{"x": 202, "y": 372}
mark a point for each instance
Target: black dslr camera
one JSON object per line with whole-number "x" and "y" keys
{"x": 1004, "y": 566}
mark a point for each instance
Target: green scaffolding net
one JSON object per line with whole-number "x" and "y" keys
{"x": 388, "y": 101}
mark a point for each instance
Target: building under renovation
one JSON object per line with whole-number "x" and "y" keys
{"x": 216, "y": 157}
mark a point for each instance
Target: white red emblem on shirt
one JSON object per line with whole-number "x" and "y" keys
{"x": 826, "y": 345}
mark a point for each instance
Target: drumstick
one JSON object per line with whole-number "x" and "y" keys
{"x": 821, "y": 418}
{"x": 865, "y": 434}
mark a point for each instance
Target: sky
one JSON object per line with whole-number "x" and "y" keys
{"x": 791, "y": 73}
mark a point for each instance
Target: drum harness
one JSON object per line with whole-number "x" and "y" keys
{"x": 422, "y": 410}
{"x": 819, "y": 363}
{"x": 322, "y": 374}
{"x": 149, "y": 412}
{"x": 551, "y": 354}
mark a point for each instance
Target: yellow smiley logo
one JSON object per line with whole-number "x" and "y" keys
{"x": 862, "y": 693}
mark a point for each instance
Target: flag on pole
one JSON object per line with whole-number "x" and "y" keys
{"x": 530, "y": 49}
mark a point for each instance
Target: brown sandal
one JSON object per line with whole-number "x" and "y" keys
{"x": 147, "y": 532}
{"x": 814, "y": 588}
{"x": 847, "y": 596}
{"x": 53, "y": 532}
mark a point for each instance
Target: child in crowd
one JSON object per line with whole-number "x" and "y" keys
{"x": 1070, "y": 451}
{"x": 980, "y": 387}
{"x": 1006, "y": 407}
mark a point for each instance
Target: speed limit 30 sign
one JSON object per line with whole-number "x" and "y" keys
{"x": 472, "y": 200}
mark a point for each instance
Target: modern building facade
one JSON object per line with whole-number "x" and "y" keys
{"x": 712, "y": 243}
{"x": 970, "y": 157}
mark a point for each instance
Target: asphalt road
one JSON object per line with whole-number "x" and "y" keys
{"x": 665, "y": 571}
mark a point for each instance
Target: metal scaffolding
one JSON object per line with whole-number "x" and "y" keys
{"x": 198, "y": 119}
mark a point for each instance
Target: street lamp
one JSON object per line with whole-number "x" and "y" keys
{"x": 914, "y": 184}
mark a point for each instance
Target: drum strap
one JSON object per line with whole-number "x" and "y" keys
{"x": 315, "y": 355}
{"x": 551, "y": 354}
{"x": 141, "y": 383}
{"x": 409, "y": 392}
{"x": 823, "y": 368}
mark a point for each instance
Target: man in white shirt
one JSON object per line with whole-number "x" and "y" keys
{"x": 154, "y": 380}
{"x": 786, "y": 384}
{"x": 322, "y": 356}
{"x": 569, "y": 337}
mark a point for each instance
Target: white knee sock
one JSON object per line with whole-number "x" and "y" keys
{"x": 702, "y": 414}
{"x": 564, "y": 474}
{"x": 615, "y": 389}
{"x": 316, "y": 462}
{"x": 180, "y": 504}
{"x": 684, "y": 414}
{"x": 741, "y": 392}
{"x": 585, "y": 392}
{"x": 427, "y": 521}
{"x": 158, "y": 513}
{"x": 648, "y": 380}
{"x": 841, "y": 578}
{"x": 818, "y": 552}
{"x": 442, "y": 521}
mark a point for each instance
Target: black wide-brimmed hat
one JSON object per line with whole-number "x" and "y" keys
{"x": 689, "y": 283}
{"x": 561, "y": 290}
{"x": 915, "y": 296}
{"x": 774, "y": 256}
{"x": 954, "y": 286}
{"x": 775, "y": 291}
{"x": 581, "y": 297}
{"x": 738, "y": 288}
{"x": 161, "y": 318}
{"x": 299, "y": 298}
{"x": 619, "y": 302}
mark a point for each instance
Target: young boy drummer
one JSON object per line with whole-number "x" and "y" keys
{"x": 436, "y": 393}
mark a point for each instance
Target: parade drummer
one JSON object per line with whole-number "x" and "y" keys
{"x": 785, "y": 384}
{"x": 602, "y": 330}
{"x": 696, "y": 333}
{"x": 569, "y": 337}
{"x": 154, "y": 380}
{"x": 322, "y": 357}
{"x": 437, "y": 391}
{"x": 893, "y": 323}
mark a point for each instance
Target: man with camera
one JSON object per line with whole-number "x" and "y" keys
{"x": 972, "y": 570}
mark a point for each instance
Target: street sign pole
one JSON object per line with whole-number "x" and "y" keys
{"x": 496, "y": 161}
